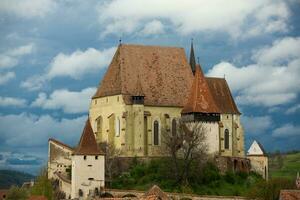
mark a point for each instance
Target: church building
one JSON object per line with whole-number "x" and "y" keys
{"x": 147, "y": 89}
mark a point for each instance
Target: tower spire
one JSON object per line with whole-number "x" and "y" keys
{"x": 192, "y": 58}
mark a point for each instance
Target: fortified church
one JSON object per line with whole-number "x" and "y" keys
{"x": 144, "y": 93}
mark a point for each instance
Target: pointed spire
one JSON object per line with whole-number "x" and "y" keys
{"x": 87, "y": 144}
{"x": 192, "y": 58}
{"x": 200, "y": 99}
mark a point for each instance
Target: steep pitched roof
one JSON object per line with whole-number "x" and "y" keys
{"x": 222, "y": 95}
{"x": 200, "y": 98}
{"x": 87, "y": 144}
{"x": 256, "y": 148}
{"x": 164, "y": 73}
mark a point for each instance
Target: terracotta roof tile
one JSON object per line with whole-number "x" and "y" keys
{"x": 289, "y": 195}
{"x": 222, "y": 95}
{"x": 164, "y": 73}
{"x": 87, "y": 144}
{"x": 155, "y": 191}
{"x": 200, "y": 98}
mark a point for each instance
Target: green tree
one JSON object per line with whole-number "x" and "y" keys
{"x": 16, "y": 193}
{"x": 43, "y": 186}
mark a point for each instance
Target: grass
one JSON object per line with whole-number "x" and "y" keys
{"x": 286, "y": 167}
{"x": 207, "y": 181}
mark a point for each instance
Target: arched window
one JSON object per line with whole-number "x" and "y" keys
{"x": 117, "y": 127}
{"x": 174, "y": 124}
{"x": 226, "y": 135}
{"x": 156, "y": 132}
{"x": 99, "y": 124}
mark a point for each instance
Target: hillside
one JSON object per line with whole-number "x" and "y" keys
{"x": 10, "y": 177}
{"x": 284, "y": 165}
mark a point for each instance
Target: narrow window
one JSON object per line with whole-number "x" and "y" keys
{"x": 174, "y": 127}
{"x": 96, "y": 157}
{"x": 91, "y": 179}
{"x": 156, "y": 132}
{"x": 84, "y": 157}
{"x": 117, "y": 127}
{"x": 99, "y": 124}
{"x": 226, "y": 139}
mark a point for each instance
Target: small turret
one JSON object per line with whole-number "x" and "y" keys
{"x": 138, "y": 96}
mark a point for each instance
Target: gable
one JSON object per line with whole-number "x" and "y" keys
{"x": 256, "y": 149}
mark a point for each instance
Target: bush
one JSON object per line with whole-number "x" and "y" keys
{"x": 270, "y": 190}
{"x": 16, "y": 193}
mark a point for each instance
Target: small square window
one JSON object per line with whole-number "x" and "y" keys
{"x": 96, "y": 157}
{"x": 84, "y": 157}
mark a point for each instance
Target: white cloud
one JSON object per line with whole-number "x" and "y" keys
{"x": 27, "y": 8}
{"x": 11, "y": 57}
{"x": 287, "y": 130}
{"x": 10, "y": 101}
{"x": 238, "y": 18}
{"x": 26, "y": 130}
{"x": 265, "y": 82}
{"x": 4, "y": 78}
{"x": 256, "y": 125}
{"x": 281, "y": 51}
{"x": 79, "y": 62}
{"x": 68, "y": 101}
{"x": 293, "y": 109}
{"x": 74, "y": 65}
{"x": 153, "y": 27}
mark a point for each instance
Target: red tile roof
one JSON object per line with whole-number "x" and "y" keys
{"x": 289, "y": 195}
{"x": 61, "y": 144}
{"x": 222, "y": 95}
{"x": 164, "y": 74}
{"x": 87, "y": 144}
{"x": 155, "y": 193}
{"x": 37, "y": 197}
{"x": 200, "y": 98}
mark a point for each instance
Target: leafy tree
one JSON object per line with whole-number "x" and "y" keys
{"x": 186, "y": 147}
{"x": 16, "y": 193}
{"x": 43, "y": 186}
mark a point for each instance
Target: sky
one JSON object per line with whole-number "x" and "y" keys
{"x": 54, "y": 53}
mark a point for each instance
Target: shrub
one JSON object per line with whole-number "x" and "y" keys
{"x": 269, "y": 190}
{"x": 17, "y": 193}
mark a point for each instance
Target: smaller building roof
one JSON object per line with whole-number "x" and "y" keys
{"x": 87, "y": 144}
{"x": 155, "y": 193}
{"x": 256, "y": 149}
{"x": 61, "y": 144}
{"x": 289, "y": 195}
{"x": 200, "y": 99}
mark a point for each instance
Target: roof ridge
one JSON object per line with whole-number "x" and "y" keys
{"x": 61, "y": 143}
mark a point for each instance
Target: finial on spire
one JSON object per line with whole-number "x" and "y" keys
{"x": 198, "y": 60}
{"x": 120, "y": 41}
{"x": 192, "y": 58}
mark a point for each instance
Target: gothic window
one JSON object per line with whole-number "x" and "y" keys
{"x": 99, "y": 124}
{"x": 117, "y": 127}
{"x": 174, "y": 124}
{"x": 226, "y": 135}
{"x": 156, "y": 132}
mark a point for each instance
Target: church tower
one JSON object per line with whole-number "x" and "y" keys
{"x": 138, "y": 120}
{"x": 87, "y": 166}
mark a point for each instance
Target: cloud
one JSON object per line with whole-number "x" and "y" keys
{"x": 238, "y": 18}
{"x": 287, "y": 130}
{"x": 9, "y": 101}
{"x": 68, "y": 101}
{"x": 27, "y": 8}
{"x": 255, "y": 125}
{"x": 293, "y": 109}
{"x": 266, "y": 82}
{"x": 27, "y": 130}
{"x": 4, "y": 78}
{"x": 11, "y": 57}
{"x": 153, "y": 27}
{"x": 74, "y": 65}
{"x": 79, "y": 63}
